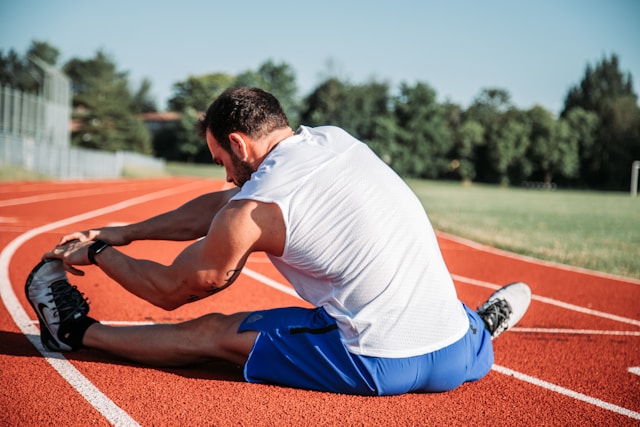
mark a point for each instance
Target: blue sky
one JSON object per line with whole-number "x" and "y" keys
{"x": 536, "y": 50}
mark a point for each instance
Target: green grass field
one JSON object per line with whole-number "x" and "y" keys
{"x": 595, "y": 230}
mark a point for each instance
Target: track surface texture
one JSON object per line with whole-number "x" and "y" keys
{"x": 574, "y": 359}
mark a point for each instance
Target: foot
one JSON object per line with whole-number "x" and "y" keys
{"x": 505, "y": 307}
{"x": 60, "y": 307}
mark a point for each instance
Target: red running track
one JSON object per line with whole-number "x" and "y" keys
{"x": 573, "y": 360}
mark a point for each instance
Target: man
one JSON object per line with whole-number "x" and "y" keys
{"x": 339, "y": 224}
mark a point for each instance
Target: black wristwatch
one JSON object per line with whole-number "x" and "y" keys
{"x": 95, "y": 248}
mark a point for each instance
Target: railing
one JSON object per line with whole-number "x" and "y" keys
{"x": 34, "y": 134}
{"x": 70, "y": 162}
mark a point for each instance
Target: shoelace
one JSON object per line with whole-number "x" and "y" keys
{"x": 69, "y": 301}
{"x": 496, "y": 315}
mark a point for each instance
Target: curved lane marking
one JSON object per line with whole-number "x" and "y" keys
{"x": 112, "y": 412}
{"x": 523, "y": 377}
{"x": 68, "y": 194}
{"x": 565, "y": 391}
{"x": 496, "y": 251}
{"x": 117, "y": 416}
{"x": 552, "y": 301}
{"x": 575, "y": 331}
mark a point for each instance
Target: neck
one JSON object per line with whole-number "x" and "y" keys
{"x": 274, "y": 138}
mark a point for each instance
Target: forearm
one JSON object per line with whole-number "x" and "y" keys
{"x": 148, "y": 280}
{"x": 188, "y": 222}
{"x": 195, "y": 274}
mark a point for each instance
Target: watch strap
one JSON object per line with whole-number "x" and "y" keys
{"x": 95, "y": 248}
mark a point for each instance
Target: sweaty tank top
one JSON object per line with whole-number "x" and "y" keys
{"x": 359, "y": 244}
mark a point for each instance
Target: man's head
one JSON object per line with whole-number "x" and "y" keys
{"x": 251, "y": 111}
{"x": 237, "y": 116}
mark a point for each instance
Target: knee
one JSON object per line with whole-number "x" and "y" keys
{"x": 206, "y": 329}
{"x": 216, "y": 335}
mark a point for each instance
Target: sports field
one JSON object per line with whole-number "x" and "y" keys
{"x": 594, "y": 230}
{"x": 573, "y": 360}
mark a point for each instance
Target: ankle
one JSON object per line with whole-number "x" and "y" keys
{"x": 72, "y": 333}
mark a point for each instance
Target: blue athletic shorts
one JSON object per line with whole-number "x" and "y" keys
{"x": 301, "y": 348}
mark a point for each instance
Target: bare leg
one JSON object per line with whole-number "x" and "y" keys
{"x": 199, "y": 340}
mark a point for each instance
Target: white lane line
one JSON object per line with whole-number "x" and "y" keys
{"x": 112, "y": 412}
{"x": 101, "y": 402}
{"x": 51, "y": 196}
{"x": 532, "y": 260}
{"x": 269, "y": 282}
{"x": 523, "y": 377}
{"x": 67, "y": 195}
{"x": 565, "y": 391}
{"x": 552, "y": 301}
{"x": 635, "y": 370}
{"x": 575, "y": 331}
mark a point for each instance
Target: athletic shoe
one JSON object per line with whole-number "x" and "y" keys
{"x": 505, "y": 307}
{"x": 58, "y": 305}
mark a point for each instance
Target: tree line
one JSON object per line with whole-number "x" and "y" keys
{"x": 591, "y": 144}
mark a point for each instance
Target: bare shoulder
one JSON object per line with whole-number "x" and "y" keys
{"x": 252, "y": 223}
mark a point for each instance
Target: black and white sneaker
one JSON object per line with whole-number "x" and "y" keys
{"x": 505, "y": 307}
{"x": 60, "y": 307}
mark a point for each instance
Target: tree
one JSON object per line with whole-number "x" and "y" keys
{"x": 607, "y": 92}
{"x": 23, "y": 73}
{"x": 367, "y": 105}
{"x": 600, "y": 86}
{"x": 468, "y": 137}
{"x": 278, "y": 79}
{"x": 44, "y": 51}
{"x": 197, "y": 92}
{"x": 554, "y": 145}
{"x": 141, "y": 101}
{"x": 103, "y": 107}
{"x": 325, "y": 104}
{"x": 188, "y": 144}
{"x": 422, "y": 133}
{"x": 362, "y": 110}
{"x": 507, "y": 148}
{"x": 583, "y": 125}
{"x": 503, "y": 140}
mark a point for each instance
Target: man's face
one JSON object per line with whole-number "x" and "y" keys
{"x": 243, "y": 170}
{"x": 238, "y": 171}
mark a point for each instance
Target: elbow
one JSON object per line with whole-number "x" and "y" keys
{"x": 167, "y": 301}
{"x": 168, "y": 305}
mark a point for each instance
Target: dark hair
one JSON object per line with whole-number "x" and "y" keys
{"x": 251, "y": 111}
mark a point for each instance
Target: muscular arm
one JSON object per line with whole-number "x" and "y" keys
{"x": 206, "y": 266}
{"x": 188, "y": 222}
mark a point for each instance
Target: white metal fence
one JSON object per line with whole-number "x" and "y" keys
{"x": 31, "y": 116}
{"x": 34, "y": 134}
{"x": 70, "y": 162}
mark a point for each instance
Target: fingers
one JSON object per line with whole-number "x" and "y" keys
{"x": 57, "y": 252}
{"x": 72, "y": 253}
{"x": 69, "y": 254}
{"x": 81, "y": 236}
{"x": 60, "y": 251}
{"x": 71, "y": 269}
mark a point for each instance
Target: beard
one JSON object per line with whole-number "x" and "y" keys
{"x": 243, "y": 171}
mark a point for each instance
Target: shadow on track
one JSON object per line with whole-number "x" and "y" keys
{"x": 17, "y": 344}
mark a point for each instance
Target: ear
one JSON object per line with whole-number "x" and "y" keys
{"x": 238, "y": 143}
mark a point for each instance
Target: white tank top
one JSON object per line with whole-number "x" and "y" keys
{"x": 359, "y": 244}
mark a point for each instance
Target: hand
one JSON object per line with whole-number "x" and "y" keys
{"x": 72, "y": 253}
{"x": 112, "y": 235}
